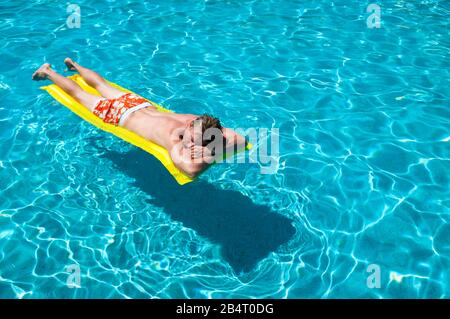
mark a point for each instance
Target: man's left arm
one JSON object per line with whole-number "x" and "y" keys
{"x": 233, "y": 141}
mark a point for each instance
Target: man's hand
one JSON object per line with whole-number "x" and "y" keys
{"x": 200, "y": 154}
{"x": 184, "y": 159}
{"x": 234, "y": 141}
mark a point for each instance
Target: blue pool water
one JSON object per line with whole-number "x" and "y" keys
{"x": 363, "y": 172}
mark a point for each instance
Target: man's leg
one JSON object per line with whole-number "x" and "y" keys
{"x": 95, "y": 80}
{"x": 69, "y": 86}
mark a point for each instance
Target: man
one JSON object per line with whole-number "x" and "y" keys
{"x": 191, "y": 140}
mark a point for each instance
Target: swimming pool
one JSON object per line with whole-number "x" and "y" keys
{"x": 362, "y": 183}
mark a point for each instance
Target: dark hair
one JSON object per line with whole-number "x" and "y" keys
{"x": 207, "y": 121}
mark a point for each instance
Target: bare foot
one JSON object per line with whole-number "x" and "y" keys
{"x": 41, "y": 73}
{"x": 71, "y": 65}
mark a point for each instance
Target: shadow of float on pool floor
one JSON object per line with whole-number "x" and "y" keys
{"x": 246, "y": 232}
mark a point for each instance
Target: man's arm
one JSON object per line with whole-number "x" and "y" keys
{"x": 233, "y": 141}
{"x": 182, "y": 159}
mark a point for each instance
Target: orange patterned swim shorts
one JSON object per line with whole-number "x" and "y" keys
{"x": 115, "y": 111}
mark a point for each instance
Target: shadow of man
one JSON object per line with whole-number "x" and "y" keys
{"x": 245, "y": 231}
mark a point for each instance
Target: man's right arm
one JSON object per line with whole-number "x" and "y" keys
{"x": 181, "y": 158}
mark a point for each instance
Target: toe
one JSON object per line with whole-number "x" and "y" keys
{"x": 69, "y": 63}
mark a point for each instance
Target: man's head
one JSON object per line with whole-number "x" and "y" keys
{"x": 203, "y": 130}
